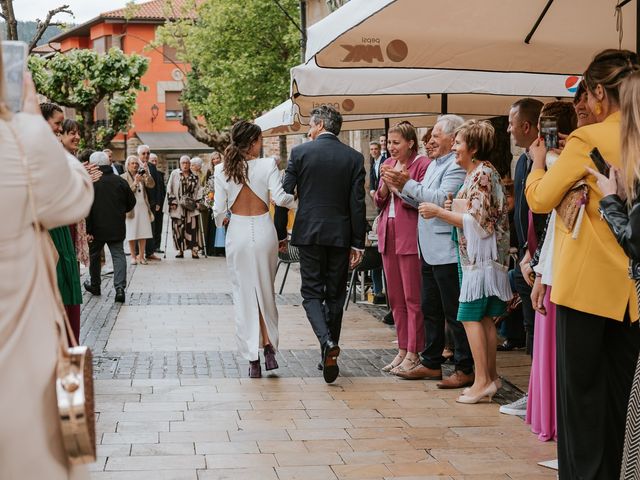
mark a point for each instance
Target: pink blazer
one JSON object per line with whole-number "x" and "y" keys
{"x": 406, "y": 219}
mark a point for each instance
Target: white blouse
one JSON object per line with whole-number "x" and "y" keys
{"x": 263, "y": 177}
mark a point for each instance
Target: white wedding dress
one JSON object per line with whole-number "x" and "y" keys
{"x": 251, "y": 247}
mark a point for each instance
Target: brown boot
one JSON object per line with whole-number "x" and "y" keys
{"x": 420, "y": 372}
{"x": 459, "y": 379}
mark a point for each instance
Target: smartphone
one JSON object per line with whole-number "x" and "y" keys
{"x": 549, "y": 131}
{"x": 601, "y": 164}
{"x": 14, "y": 59}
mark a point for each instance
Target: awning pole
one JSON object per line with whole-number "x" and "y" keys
{"x": 386, "y": 128}
{"x": 444, "y": 104}
{"x": 538, "y": 22}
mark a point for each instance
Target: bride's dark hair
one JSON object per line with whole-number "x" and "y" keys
{"x": 243, "y": 135}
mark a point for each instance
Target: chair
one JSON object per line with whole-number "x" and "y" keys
{"x": 292, "y": 255}
{"x": 371, "y": 260}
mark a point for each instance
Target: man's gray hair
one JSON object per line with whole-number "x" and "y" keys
{"x": 329, "y": 116}
{"x": 185, "y": 158}
{"x": 99, "y": 158}
{"x": 152, "y": 156}
{"x": 196, "y": 161}
{"x": 141, "y": 148}
{"x": 450, "y": 123}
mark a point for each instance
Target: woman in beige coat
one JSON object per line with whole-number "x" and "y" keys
{"x": 30, "y": 437}
{"x": 139, "y": 219}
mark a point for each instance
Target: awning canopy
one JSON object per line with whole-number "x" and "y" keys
{"x": 172, "y": 142}
{"x": 471, "y": 35}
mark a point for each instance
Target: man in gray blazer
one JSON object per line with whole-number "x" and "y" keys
{"x": 440, "y": 287}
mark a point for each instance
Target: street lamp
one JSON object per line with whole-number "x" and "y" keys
{"x": 154, "y": 112}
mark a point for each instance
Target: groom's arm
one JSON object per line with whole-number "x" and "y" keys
{"x": 280, "y": 219}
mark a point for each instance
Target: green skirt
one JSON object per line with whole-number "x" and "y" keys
{"x": 67, "y": 268}
{"x": 476, "y": 310}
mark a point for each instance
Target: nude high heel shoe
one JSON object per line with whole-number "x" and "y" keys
{"x": 490, "y": 391}
{"x": 497, "y": 381}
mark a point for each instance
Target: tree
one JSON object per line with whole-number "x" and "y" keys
{"x": 8, "y": 15}
{"x": 82, "y": 79}
{"x": 240, "y": 55}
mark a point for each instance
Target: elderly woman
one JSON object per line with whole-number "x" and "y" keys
{"x": 398, "y": 244}
{"x": 481, "y": 216}
{"x": 183, "y": 192}
{"x": 139, "y": 219}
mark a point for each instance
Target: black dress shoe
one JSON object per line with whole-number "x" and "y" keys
{"x": 388, "y": 319}
{"x": 91, "y": 289}
{"x": 508, "y": 345}
{"x": 330, "y": 369}
{"x": 120, "y": 297}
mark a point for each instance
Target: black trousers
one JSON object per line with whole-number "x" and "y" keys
{"x": 156, "y": 227}
{"x": 440, "y": 293}
{"x": 324, "y": 272}
{"x": 596, "y": 359}
{"x": 528, "y": 313}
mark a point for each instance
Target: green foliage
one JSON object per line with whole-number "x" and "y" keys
{"x": 240, "y": 55}
{"x": 81, "y": 79}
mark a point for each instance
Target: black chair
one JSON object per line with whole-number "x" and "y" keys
{"x": 371, "y": 260}
{"x": 292, "y": 255}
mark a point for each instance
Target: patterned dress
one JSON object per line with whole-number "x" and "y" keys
{"x": 483, "y": 245}
{"x": 186, "y": 231}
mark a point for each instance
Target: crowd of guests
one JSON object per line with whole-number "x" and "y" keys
{"x": 443, "y": 224}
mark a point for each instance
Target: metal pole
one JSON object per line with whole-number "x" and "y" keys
{"x": 637, "y": 30}
{"x": 444, "y": 104}
{"x": 386, "y": 130}
{"x": 303, "y": 29}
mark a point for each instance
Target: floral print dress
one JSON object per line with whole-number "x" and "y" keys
{"x": 483, "y": 240}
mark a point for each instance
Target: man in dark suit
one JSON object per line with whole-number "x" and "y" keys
{"x": 330, "y": 225}
{"x": 153, "y": 194}
{"x": 161, "y": 192}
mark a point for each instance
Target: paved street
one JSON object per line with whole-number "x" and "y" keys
{"x": 174, "y": 401}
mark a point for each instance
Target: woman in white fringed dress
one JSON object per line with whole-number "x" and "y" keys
{"x": 242, "y": 186}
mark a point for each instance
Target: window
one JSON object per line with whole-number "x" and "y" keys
{"x": 170, "y": 54}
{"x": 102, "y": 44}
{"x": 173, "y": 107}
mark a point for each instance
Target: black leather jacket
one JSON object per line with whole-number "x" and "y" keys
{"x": 625, "y": 225}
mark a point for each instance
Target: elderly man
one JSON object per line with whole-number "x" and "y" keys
{"x": 106, "y": 225}
{"x": 158, "y": 214}
{"x": 440, "y": 288}
{"x": 115, "y": 166}
{"x": 153, "y": 194}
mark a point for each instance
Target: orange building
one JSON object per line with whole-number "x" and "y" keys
{"x": 156, "y": 120}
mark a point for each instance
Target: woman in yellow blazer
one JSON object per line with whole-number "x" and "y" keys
{"x": 595, "y": 298}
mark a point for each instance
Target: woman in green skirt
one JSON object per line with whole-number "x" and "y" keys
{"x": 480, "y": 214}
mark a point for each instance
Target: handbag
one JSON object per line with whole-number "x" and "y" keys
{"x": 74, "y": 369}
{"x": 187, "y": 203}
{"x": 569, "y": 208}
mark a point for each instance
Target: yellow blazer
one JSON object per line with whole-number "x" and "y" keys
{"x": 590, "y": 273}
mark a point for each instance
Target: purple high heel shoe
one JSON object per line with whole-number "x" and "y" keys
{"x": 270, "y": 362}
{"x": 254, "y": 369}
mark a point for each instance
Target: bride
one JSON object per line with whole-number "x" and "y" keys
{"x": 242, "y": 185}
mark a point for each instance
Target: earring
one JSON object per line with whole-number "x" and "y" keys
{"x": 598, "y": 108}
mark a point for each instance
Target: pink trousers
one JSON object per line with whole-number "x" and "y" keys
{"x": 404, "y": 285}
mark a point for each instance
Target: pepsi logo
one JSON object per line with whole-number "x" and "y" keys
{"x": 572, "y": 83}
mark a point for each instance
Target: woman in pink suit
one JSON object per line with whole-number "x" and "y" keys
{"x": 398, "y": 244}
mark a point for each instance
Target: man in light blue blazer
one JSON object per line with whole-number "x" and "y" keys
{"x": 440, "y": 284}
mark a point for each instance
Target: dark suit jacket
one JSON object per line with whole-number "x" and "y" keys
{"x": 112, "y": 200}
{"x": 154, "y": 194}
{"x": 329, "y": 179}
{"x": 374, "y": 174}
{"x": 119, "y": 167}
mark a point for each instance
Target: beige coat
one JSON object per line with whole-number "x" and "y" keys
{"x": 173, "y": 191}
{"x": 149, "y": 182}
{"x": 30, "y": 437}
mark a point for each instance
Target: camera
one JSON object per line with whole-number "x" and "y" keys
{"x": 142, "y": 171}
{"x": 549, "y": 130}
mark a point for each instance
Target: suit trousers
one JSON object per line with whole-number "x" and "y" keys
{"x": 118, "y": 258}
{"x": 156, "y": 227}
{"x": 440, "y": 294}
{"x": 404, "y": 283}
{"x": 528, "y": 313}
{"x": 324, "y": 271}
{"x": 596, "y": 359}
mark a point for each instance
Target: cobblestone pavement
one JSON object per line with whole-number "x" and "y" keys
{"x": 174, "y": 402}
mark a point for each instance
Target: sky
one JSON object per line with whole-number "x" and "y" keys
{"x": 83, "y": 10}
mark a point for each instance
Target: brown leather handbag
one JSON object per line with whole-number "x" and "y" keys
{"x": 74, "y": 370}
{"x": 569, "y": 208}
